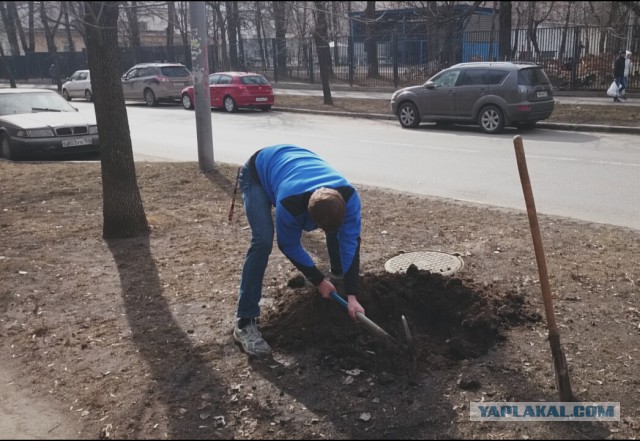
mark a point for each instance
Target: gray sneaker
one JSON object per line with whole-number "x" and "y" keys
{"x": 251, "y": 340}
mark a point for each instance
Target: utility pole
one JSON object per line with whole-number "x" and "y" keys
{"x": 200, "y": 72}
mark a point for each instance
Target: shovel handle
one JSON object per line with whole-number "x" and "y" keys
{"x": 535, "y": 233}
{"x": 362, "y": 318}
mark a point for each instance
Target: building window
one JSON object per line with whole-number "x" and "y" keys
{"x": 142, "y": 25}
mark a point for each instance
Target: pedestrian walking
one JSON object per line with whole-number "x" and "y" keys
{"x": 53, "y": 73}
{"x": 618, "y": 76}
{"x": 627, "y": 72}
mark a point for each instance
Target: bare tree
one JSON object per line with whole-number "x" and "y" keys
{"x": 67, "y": 26}
{"x": 123, "y": 213}
{"x": 7, "y": 70}
{"x": 534, "y": 18}
{"x": 9, "y": 22}
{"x": 371, "y": 44}
{"x": 132, "y": 29}
{"x": 280, "y": 22}
{"x": 322, "y": 45}
{"x": 224, "y": 55}
{"x": 232, "y": 31}
{"x": 504, "y": 20}
{"x": 28, "y": 45}
{"x": 50, "y": 27}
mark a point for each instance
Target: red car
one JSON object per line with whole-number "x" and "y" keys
{"x": 233, "y": 90}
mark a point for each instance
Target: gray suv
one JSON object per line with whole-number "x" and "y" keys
{"x": 153, "y": 82}
{"x": 490, "y": 94}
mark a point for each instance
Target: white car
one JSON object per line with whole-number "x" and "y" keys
{"x": 78, "y": 86}
{"x": 39, "y": 122}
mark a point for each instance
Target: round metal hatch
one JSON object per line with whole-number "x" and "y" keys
{"x": 433, "y": 261}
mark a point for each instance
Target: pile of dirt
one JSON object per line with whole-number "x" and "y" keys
{"x": 450, "y": 319}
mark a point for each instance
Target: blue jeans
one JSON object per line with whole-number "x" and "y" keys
{"x": 257, "y": 208}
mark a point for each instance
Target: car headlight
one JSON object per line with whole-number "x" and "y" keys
{"x": 35, "y": 133}
{"x": 93, "y": 130}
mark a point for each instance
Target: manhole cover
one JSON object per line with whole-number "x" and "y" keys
{"x": 434, "y": 261}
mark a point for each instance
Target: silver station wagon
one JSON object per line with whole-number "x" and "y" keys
{"x": 490, "y": 94}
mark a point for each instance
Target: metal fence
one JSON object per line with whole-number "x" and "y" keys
{"x": 574, "y": 58}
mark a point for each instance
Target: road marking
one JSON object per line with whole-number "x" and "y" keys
{"x": 449, "y": 149}
{"x": 586, "y": 162}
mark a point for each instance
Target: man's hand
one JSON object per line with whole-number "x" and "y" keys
{"x": 354, "y": 306}
{"x": 326, "y": 288}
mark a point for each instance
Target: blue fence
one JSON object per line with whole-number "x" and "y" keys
{"x": 577, "y": 58}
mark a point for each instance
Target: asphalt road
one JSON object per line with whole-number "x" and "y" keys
{"x": 588, "y": 176}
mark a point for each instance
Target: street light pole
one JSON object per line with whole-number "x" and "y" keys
{"x": 200, "y": 71}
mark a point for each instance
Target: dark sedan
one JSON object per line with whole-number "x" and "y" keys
{"x": 39, "y": 122}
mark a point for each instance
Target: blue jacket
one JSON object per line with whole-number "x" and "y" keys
{"x": 289, "y": 175}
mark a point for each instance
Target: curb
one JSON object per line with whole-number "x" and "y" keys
{"x": 541, "y": 125}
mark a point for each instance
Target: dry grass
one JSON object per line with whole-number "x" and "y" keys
{"x": 619, "y": 115}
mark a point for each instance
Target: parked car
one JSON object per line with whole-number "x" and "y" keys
{"x": 35, "y": 122}
{"x": 232, "y": 90}
{"x": 490, "y": 94}
{"x": 154, "y": 82}
{"x": 78, "y": 85}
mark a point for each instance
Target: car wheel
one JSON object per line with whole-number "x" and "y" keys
{"x": 65, "y": 95}
{"x": 265, "y": 108}
{"x": 186, "y": 101}
{"x": 491, "y": 119}
{"x": 5, "y": 147}
{"x": 150, "y": 98}
{"x": 408, "y": 115}
{"x": 230, "y": 105}
{"x": 88, "y": 95}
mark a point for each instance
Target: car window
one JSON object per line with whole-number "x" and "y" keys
{"x": 213, "y": 79}
{"x": 532, "y": 77}
{"x": 75, "y": 76}
{"x": 174, "y": 71}
{"x": 224, "y": 79}
{"x": 472, "y": 77}
{"x": 11, "y": 103}
{"x": 144, "y": 72}
{"x": 446, "y": 79}
{"x": 82, "y": 76}
{"x": 495, "y": 77}
{"x": 132, "y": 74}
{"x": 254, "y": 79}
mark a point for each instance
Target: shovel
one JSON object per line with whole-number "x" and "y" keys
{"x": 563, "y": 382}
{"x": 386, "y": 339}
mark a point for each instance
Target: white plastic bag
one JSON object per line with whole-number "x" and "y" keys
{"x": 613, "y": 90}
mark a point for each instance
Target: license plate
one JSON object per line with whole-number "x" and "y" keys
{"x": 260, "y": 99}
{"x": 178, "y": 83}
{"x": 541, "y": 94}
{"x": 76, "y": 142}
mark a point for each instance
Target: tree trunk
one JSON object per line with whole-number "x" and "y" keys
{"x": 123, "y": 213}
{"x": 9, "y": 21}
{"x": 23, "y": 38}
{"x": 281, "y": 43}
{"x": 7, "y": 70}
{"x": 131, "y": 12}
{"x": 260, "y": 42}
{"x": 322, "y": 46}
{"x": 505, "y": 30}
{"x": 50, "y": 33}
{"x": 171, "y": 28}
{"x": 232, "y": 31}
{"x": 241, "y": 57}
{"x": 223, "y": 35}
{"x": 565, "y": 29}
{"x": 371, "y": 44}
{"x": 67, "y": 26}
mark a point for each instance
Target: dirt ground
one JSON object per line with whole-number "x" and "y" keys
{"x": 132, "y": 338}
